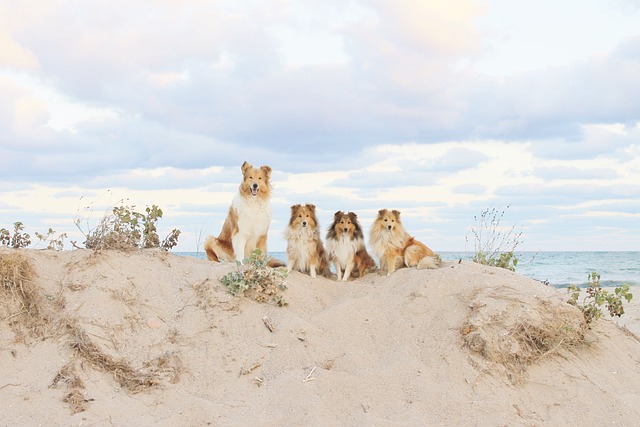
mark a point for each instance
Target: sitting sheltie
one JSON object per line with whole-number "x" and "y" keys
{"x": 246, "y": 226}
{"x": 305, "y": 251}
{"x": 395, "y": 247}
{"x": 345, "y": 246}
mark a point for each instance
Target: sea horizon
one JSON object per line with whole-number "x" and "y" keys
{"x": 556, "y": 268}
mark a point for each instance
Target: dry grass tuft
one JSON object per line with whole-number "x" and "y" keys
{"x": 521, "y": 334}
{"x": 20, "y": 301}
{"x": 74, "y": 395}
{"x": 167, "y": 367}
{"x": 28, "y": 312}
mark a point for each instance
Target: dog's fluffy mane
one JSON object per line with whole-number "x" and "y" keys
{"x": 381, "y": 237}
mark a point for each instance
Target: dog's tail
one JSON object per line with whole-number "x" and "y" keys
{"x": 431, "y": 262}
{"x": 275, "y": 262}
{"x": 209, "y": 245}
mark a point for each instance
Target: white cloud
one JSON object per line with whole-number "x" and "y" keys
{"x": 437, "y": 108}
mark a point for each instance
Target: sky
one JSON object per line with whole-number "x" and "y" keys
{"x": 439, "y": 109}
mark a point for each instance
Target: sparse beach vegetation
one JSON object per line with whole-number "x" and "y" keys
{"x": 19, "y": 239}
{"x": 597, "y": 298}
{"x": 254, "y": 278}
{"x": 495, "y": 245}
{"x": 126, "y": 228}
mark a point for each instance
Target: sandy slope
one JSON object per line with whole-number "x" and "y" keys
{"x": 419, "y": 347}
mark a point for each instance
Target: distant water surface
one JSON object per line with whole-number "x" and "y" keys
{"x": 559, "y": 269}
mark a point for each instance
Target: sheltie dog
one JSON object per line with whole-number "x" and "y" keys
{"x": 305, "y": 251}
{"x": 345, "y": 246}
{"x": 394, "y": 247}
{"x": 247, "y": 223}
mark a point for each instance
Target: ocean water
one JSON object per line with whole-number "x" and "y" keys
{"x": 559, "y": 269}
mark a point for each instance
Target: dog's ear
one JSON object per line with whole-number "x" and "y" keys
{"x": 294, "y": 208}
{"x": 353, "y": 215}
{"x": 396, "y": 213}
{"x": 381, "y": 212}
{"x": 337, "y": 215}
{"x": 266, "y": 170}
{"x": 311, "y": 207}
{"x": 245, "y": 166}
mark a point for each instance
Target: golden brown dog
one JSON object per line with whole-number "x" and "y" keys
{"x": 305, "y": 251}
{"x": 395, "y": 247}
{"x": 246, "y": 226}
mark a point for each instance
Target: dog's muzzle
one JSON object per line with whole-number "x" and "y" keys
{"x": 254, "y": 189}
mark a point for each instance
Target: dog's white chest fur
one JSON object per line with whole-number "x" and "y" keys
{"x": 302, "y": 240}
{"x": 254, "y": 215}
{"x": 342, "y": 249}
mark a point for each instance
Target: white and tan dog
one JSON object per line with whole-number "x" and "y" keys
{"x": 305, "y": 251}
{"x": 247, "y": 224}
{"x": 394, "y": 247}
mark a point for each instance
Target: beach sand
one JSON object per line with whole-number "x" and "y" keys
{"x": 151, "y": 338}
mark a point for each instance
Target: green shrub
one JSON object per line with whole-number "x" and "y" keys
{"x": 596, "y": 297}
{"x": 19, "y": 239}
{"x": 254, "y": 278}
{"x": 494, "y": 245}
{"x": 53, "y": 243}
{"x": 125, "y": 228}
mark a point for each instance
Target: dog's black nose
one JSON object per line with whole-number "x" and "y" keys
{"x": 255, "y": 185}
{"x": 304, "y": 223}
{"x": 345, "y": 229}
{"x": 389, "y": 227}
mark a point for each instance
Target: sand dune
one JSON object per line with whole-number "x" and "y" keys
{"x": 151, "y": 338}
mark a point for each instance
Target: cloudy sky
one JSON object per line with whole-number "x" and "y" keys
{"x": 438, "y": 108}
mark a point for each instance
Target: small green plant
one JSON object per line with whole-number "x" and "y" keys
{"x": 19, "y": 239}
{"x": 494, "y": 245}
{"x": 438, "y": 258}
{"x": 253, "y": 277}
{"x": 126, "y": 228}
{"x": 53, "y": 243}
{"x": 596, "y": 297}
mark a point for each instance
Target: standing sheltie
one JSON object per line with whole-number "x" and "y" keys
{"x": 305, "y": 251}
{"x": 345, "y": 246}
{"x": 395, "y": 247}
{"x": 246, "y": 226}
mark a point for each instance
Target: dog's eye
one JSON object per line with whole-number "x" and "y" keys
{"x": 299, "y": 215}
{"x": 260, "y": 178}
{"x": 385, "y": 220}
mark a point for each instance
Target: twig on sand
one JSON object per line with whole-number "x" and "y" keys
{"x": 268, "y": 324}
{"x": 268, "y": 345}
{"x": 10, "y": 384}
{"x": 251, "y": 369}
{"x": 309, "y": 377}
